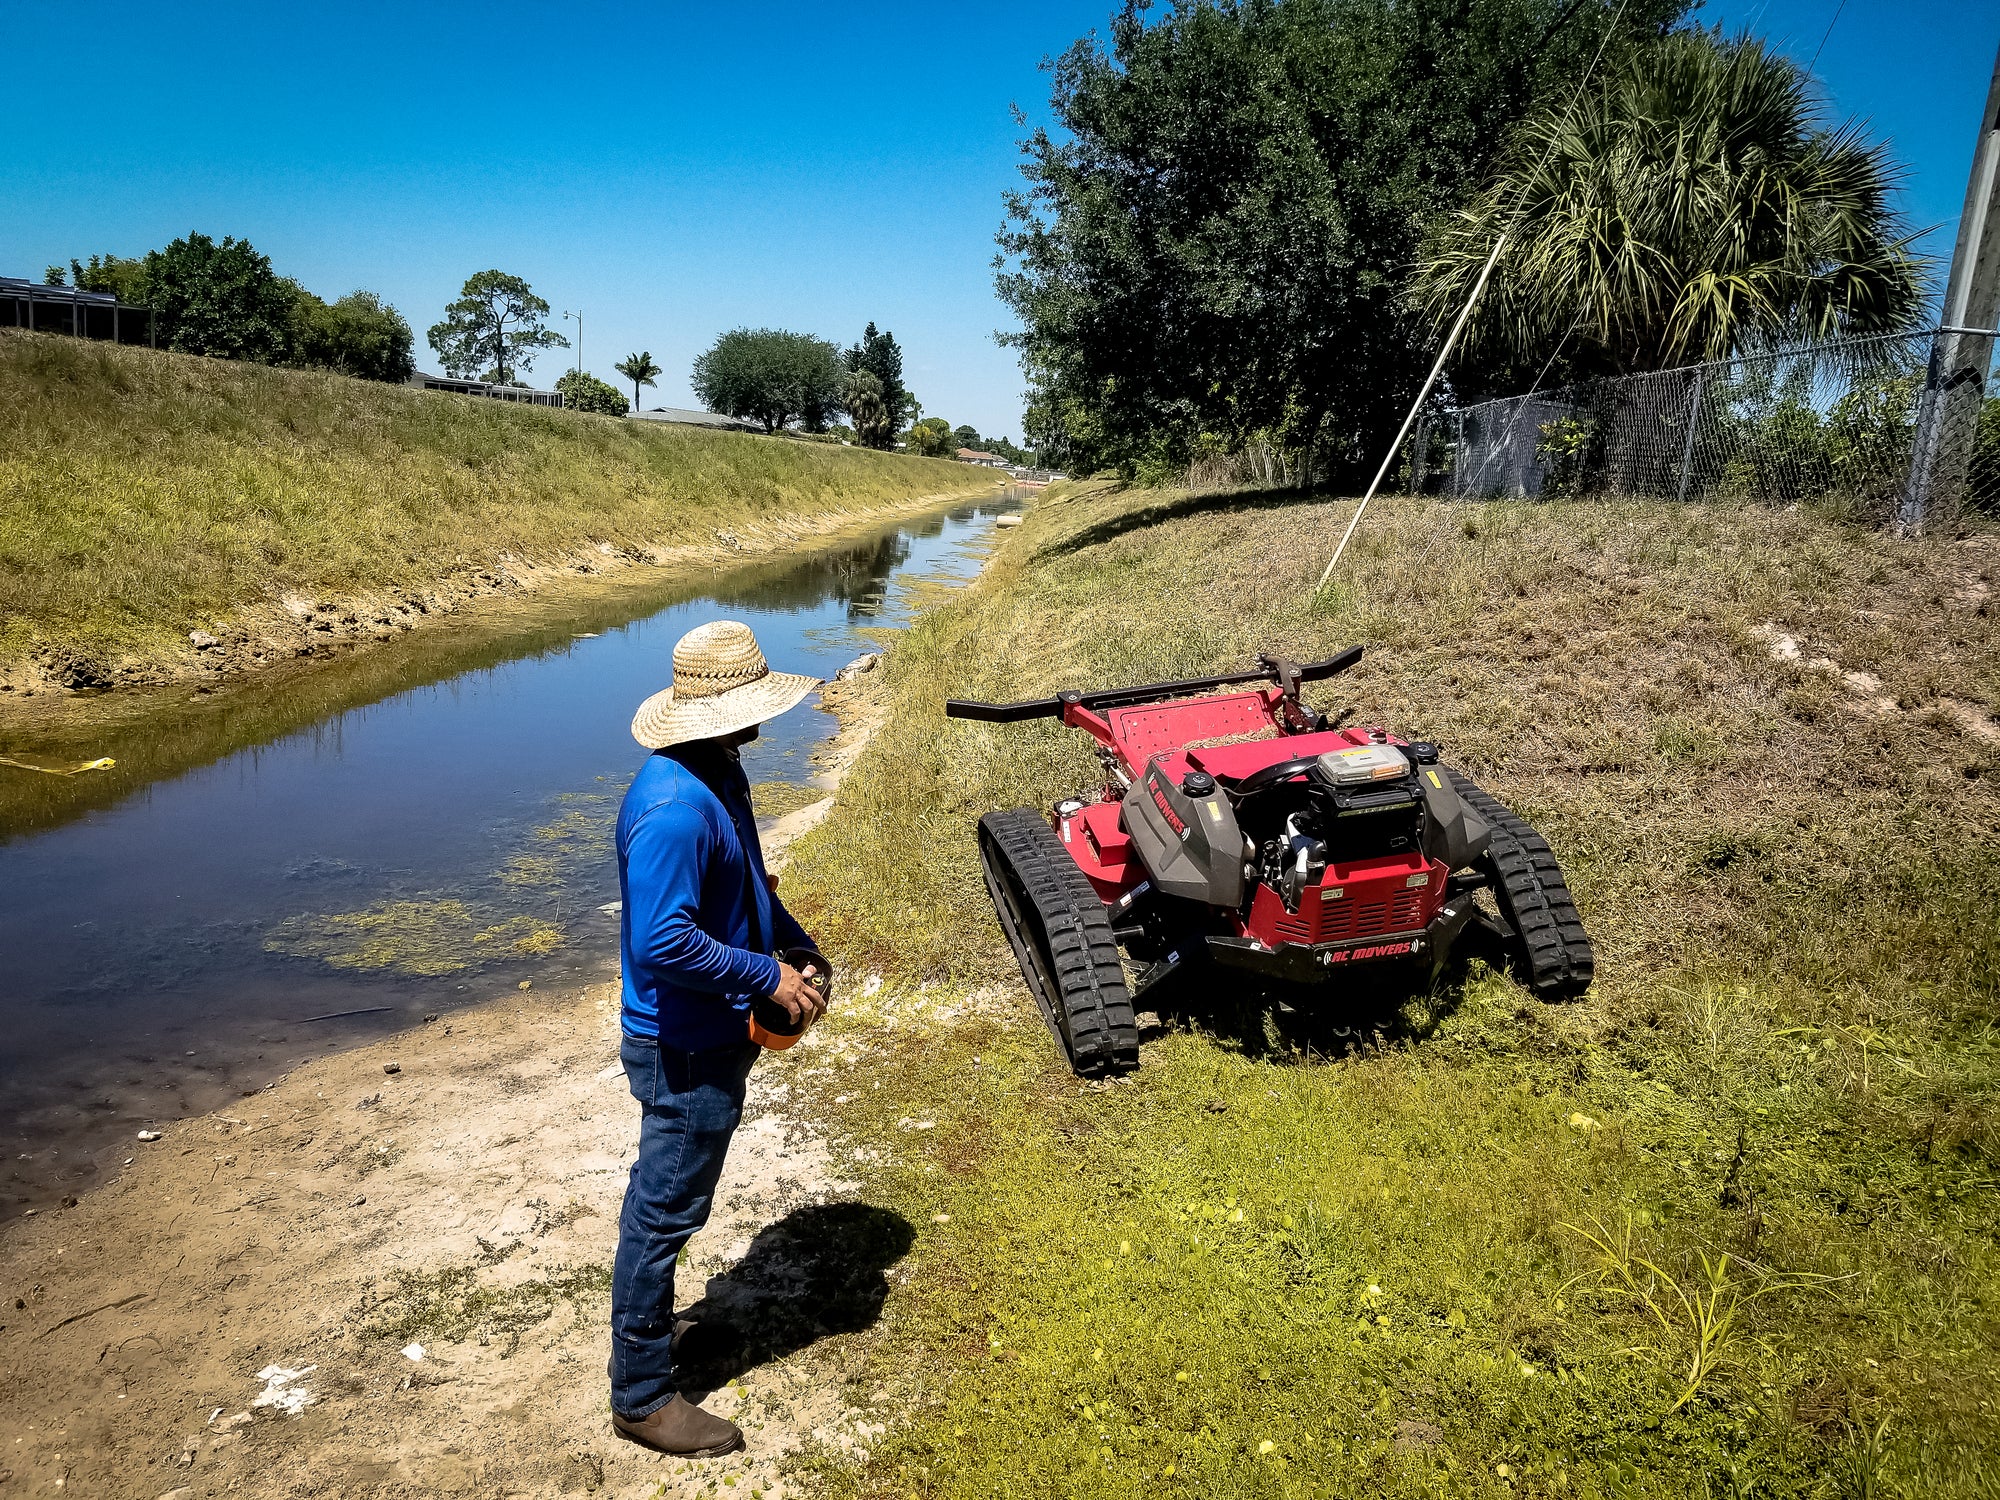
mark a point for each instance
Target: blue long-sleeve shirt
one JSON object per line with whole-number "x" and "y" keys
{"x": 699, "y": 919}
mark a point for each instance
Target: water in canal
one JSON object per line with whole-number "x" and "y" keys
{"x": 435, "y": 831}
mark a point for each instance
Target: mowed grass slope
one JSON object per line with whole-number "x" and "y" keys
{"x": 1725, "y": 1227}
{"x": 145, "y": 494}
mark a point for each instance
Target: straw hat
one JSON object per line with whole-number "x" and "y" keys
{"x": 721, "y": 684}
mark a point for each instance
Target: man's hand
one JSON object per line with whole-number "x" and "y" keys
{"x": 800, "y": 1000}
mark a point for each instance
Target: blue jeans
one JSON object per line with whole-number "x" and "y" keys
{"x": 689, "y": 1106}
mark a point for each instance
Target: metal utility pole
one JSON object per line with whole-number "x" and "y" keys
{"x": 1955, "y": 384}
{"x": 578, "y": 317}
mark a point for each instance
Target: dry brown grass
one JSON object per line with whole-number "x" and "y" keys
{"x": 1606, "y": 667}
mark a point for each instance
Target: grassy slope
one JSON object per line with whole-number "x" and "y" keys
{"x": 1250, "y": 1271}
{"x": 143, "y": 494}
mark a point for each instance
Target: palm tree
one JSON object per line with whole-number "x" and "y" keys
{"x": 640, "y": 370}
{"x": 874, "y": 426}
{"x": 1688, "y": 204}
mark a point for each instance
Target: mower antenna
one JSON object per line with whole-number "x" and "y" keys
{"x": 1415, "y": 406}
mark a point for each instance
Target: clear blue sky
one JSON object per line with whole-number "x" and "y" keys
{"x": 677, "y": 170}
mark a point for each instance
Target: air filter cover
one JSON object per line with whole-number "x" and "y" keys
{"x": 1363, "y": 764}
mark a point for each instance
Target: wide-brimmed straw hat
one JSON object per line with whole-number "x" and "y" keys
{"x": 721, "y": 684}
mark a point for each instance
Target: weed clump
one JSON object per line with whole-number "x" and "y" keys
{"x": 454, "y": 1305}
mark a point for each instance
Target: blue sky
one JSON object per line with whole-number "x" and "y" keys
{"x": 674, "y": 170}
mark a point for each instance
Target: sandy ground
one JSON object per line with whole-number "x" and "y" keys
{"x": 144, "y": 1326}
{"x": 387, "y": 1274}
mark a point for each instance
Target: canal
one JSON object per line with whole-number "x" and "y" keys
{"x": 423, "y": 826}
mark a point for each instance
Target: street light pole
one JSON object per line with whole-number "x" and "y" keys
{"x": 579, "y": 339}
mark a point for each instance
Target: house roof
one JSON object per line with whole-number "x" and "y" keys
{"x": 20, "y": 286}
{"x": 697, "y": 418}
{"x": 973, "y": 455}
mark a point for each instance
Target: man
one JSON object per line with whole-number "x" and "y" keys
{"x": 697, "y": 931}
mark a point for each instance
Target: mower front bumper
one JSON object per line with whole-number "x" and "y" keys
{"x": 1315, "y": 963}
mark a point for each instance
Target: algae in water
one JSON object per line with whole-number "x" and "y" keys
{"x": 424, "y": 939}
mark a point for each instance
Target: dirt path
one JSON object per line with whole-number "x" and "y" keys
{"x": 387, "y": 1274}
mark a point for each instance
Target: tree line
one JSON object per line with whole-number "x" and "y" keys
{"x": 1254, "y": 219}
{"x": 776, "y": 377}
{"x": 223, "y": 299}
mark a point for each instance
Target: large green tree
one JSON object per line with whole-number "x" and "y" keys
{"x": 583, "y": 391}
{"x": 771, "y": 376}
{"x": 358, "y": 335}
{"x": 494, "y": 329}
{"x": 931, "y": 437}
{"x": 1689, "y": 202}
{"x": 124, "y": 277}
{"x": 1214, "y": 236}
{"x": 879, "y": 355}
{"x": 861, "y": 397}
{"x": 220, "y": 299}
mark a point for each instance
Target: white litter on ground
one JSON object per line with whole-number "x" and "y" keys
{"x": 413, "y": 1351}
{"x": 284, "y": 1389}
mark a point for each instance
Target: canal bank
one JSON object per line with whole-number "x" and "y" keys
{"x": 439, "y": 837}
{"x": 173, "y": 518}
{"x": 137, "y": 736}
{"x": 387, "y": 1273}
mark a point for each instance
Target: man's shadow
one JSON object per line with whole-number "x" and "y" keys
{"x": 820, "y": 1270}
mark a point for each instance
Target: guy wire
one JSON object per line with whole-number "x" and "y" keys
{"x": 1520, "y": 207}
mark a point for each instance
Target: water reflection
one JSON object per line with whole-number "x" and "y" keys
{"x": 172, "y": 731}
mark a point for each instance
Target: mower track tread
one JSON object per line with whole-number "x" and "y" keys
{"x": 1056, "y": 924}
{"x": 1534, "y": 899}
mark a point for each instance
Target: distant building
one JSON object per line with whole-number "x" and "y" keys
{"x": 458, "y": 387}
{"x": 699, "y": 419}
{"x": 984, "y": 460}
{"x": 71, "y": 310}
{"x": 1031, "y": 478}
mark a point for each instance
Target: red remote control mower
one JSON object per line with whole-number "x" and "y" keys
{"x": 1242, "y": 830}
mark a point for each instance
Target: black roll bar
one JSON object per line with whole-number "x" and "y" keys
{"x": 1269, "y": 669}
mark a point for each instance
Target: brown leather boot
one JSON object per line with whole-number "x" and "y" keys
{"x": 682, "y": 1429}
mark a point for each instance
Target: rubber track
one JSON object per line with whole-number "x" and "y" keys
{"x": 1085, "y": 999}
{"x": 1535, "y": 900}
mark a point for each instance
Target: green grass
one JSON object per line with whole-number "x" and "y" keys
{"x": 143, "y": 495}
{"x": 1726, "y": 1227}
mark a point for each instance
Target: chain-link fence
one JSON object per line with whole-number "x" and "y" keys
{"x": 1898, "y": 426}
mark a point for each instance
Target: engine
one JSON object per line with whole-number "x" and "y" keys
{"x": 1305, "y": 839}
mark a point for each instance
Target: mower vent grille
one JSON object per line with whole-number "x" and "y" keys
{"x": 1336, "y": 921}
